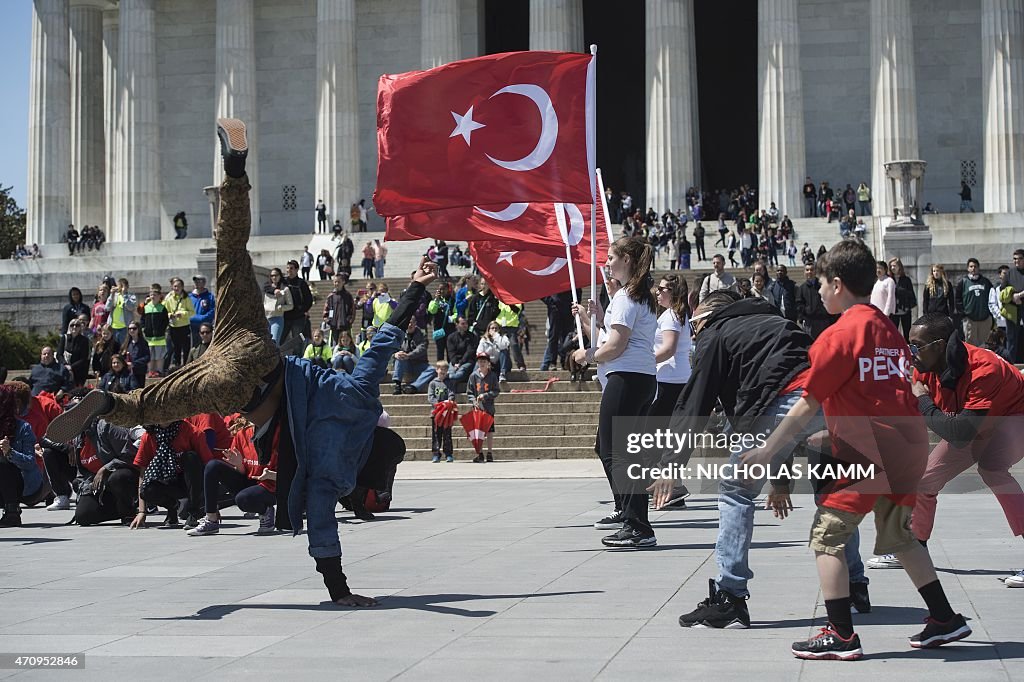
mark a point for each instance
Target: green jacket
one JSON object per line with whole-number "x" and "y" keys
{"x": 1009, "y": 308}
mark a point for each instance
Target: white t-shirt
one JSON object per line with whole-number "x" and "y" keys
{"x": 639, "y": 353}
{"x": 675, "y": 370}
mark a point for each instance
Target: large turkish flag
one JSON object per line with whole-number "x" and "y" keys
{"x": 535, "y": 223}
{"x": 498, "y": 129}
{"x": 519, "y": 271}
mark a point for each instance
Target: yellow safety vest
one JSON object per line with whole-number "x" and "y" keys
{"x": 381, "y": 312}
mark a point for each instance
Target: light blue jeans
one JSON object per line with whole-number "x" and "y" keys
{"x": 736, "y": 505}
{"x": 276, "y": 327}
{"x": 424, "y": 373}
{"x": 346, "y": 363}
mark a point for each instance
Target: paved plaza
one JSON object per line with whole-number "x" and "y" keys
{"x": 491, "y": 578}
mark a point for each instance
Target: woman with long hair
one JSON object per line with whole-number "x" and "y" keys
{"x": 883, "y": 293}
{"x": 20, "y": 476}
{"x": 938, "y": 293}
{"x": 630, "y": 384}
{"x": 99, "y": 309}
{"x": 496, "y": 345}
{"x": 73, "y": 352}
{"x": 345, "y": 352}
{"x": 277, "y": 300}
{"x": 136, "y": 353}
{"x": 671, "y": 344}
{"x": 119, "y": 379}
{"x": 906, "y": 299}
{"x": 102, "y": 349}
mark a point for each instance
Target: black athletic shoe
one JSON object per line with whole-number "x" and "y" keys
{"x": 234, "y": 146}
{"x": 171, "y": 520}
{"x": 629, "y": 537}
{"x": 827, "y": 645}
{"x": 68, "y": 425}
{"x": 363, "y": 514}
{"x": 936, "y": 633}
{"x": 720, "y": 610}
{"x": 398, "y": 389}
{"x": 611, "y": 522}
{"x": 859, "y": 598}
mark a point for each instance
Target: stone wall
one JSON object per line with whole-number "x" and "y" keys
{"x": 834, "y": 51}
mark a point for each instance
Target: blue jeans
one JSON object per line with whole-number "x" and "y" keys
{"x": 120, "y": 335}
{"x": 462, "y": 372}
{"x": 736, "y": 513}
{"x": 425, "y": 373}
{"x": 276, "y": 327}
{"x": 346, "y": 363}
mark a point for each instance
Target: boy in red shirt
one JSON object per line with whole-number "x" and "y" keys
{"x": 860, "y": 369}
{"x": 974, "y": 400}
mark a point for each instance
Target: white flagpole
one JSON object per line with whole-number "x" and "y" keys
{"x": 591, "y": 106}
{"x": 563, "y": 230}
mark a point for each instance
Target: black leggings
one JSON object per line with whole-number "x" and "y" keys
{"x": 249, "y": 496}
{"x": 181, "y": 343}
{"x": 12, "y": 485}
{"x": 59, "y": 470}
{"x": 626, "y": 394}
{"x": 665, "y": 403}
{"x": 904, "y": 321}
{"x": 187, "y": 486}
{"x": 115, "y": 503}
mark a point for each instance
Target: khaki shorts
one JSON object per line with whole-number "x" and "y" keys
{"x": 833, "y": 527}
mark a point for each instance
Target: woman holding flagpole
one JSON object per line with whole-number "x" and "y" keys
{"x": 627, "y": 360}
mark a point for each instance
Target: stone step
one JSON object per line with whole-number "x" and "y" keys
{"x": 590, "y": 398}
{"x": 561, "y": 386}
{"x": 537, "y": 421}
{"x": 420, "y": 410}
{"x": 420, "y": 428}
{"x": 517, "y": 439}
{"x": 463, "y": 451}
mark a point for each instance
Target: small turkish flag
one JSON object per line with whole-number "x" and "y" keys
{"x": 519, "y": 271}
{"x": 497, "y": 129}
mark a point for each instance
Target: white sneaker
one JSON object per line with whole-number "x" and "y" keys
{"x": 884, "y": 561}
{"x": 1016, "y": 580}
{"x": 205, "y": 527}
{"x": 62, "y": 503}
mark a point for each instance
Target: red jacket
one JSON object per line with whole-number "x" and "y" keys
{"x": 250, "y": 457}
{"x": 188, "y": 438}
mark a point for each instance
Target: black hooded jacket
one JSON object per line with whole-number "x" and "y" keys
{"x": 744, "y": 356}
{"x": 961, "y": 428}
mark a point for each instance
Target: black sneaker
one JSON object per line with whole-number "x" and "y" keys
{"x": 67, "y": 426}
{"x": 171, "y": 520}
{"x": 398, "y": 389}
{"x": 191, "y": 522}
{"x": 859, "y": 598}
{"x": 611, "y": 522}
{"x": 936, "y": 633}
{"x": 629, "y": 537}
{"x": 827, "y": 645}
{"x": 479, "y": 459}
{"x": 409, "y": 389}
{"x": 720, "y": 610}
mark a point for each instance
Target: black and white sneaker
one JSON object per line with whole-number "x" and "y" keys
{"x": 720, "y": 610}
{"x": 70, "y": 424}
{"x": 827, "y": 645}
{"x": 627, "y": 536}
{"x": 611, "y": 522}
{"x": 859, "y": 598}
{"x": 936, "y": 633}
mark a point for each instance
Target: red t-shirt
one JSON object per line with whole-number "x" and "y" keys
{"x": 251, "y": 458}
{"x": 88, "y": 456}
{"x": 188, "y": 438}
{"x": 989, "y": 383}
{"x": 860, "y": 370}
{"x": 211, "y": 422}
{"x": 797, "y": 382}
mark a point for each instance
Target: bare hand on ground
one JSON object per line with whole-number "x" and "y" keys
{"x": 357, "y": 600}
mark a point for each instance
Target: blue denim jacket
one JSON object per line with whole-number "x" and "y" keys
{"x": 332, "y": 416}
{"x": 23, "y": 456}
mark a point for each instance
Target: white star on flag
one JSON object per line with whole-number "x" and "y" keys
{"x": 506, "y": 257}
{"x": 465, "y": 125}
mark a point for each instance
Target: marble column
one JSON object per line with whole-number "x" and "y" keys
{"x": 671, "y": 90}
{"x": 440, "y": 38}
{"x": 235, "y": 87}
{"x": 782, "y": 157}
{"x": 557, "y": 25}
{"x": 111, "y": 111}
{"x": 893, "y": 98}
{"x": 139, "y": 205}
{"x": 1002, "y": 39}
{"x": 337, "y": 113}
{"x": 88, "y": 166}
{"x": 49, "y": 125}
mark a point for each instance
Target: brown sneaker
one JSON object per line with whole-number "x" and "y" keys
{"x": 70, "y": 424}
{"x": 234, "y": 146}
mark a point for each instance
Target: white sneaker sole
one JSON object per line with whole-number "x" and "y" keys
{"x": 938, "y": 640}
{"x": 607, "y": 526}
{"x": 734, "y": 625}
{"x": 851, "y": 655}
{"x": 883, "y": 564}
